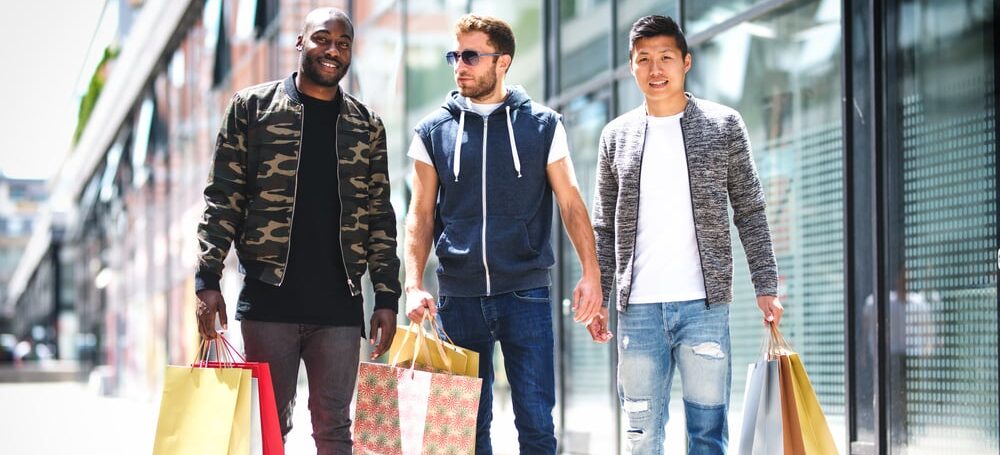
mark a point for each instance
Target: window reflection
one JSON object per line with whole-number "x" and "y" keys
{"x": 590, "y": 410}
{"x": 782, "y": 73}
{"x": 585, "y": 39}
{"x": 701, "y": 15}
{"x": 631, "y": 10}
{"x": 525, "y": 18}
{"x": 943, "y": 299}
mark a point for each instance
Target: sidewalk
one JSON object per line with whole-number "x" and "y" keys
{"x": 68, "y": 417}
{"x": 65, "y": 417}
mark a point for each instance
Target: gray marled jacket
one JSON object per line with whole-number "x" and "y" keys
{"x": 720, "y": 167}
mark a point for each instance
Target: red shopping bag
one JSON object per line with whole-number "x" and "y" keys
{"x": 270, "y": 430}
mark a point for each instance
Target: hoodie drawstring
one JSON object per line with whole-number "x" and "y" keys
{"x": 457, "y": 165}
{"x": 513, "y": 145}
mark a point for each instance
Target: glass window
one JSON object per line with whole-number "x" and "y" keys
{"x": 223, "y": 52}
{"x": 629, "y": 95}
{"x": 430, "y": 33}
{"x": 701, "y": 15}
{"x": 942, "y": 302}
{"x": 266, "y": 12}
{"x": 377, "y": 73}
{"x": 584, "y": 28}
{"x": 140, "y": 145}
{"x": 525, "y": 18}
{"x": 246, "y": 10}
{"x": 590, "y": 404}
{"x": 782, "y": 73}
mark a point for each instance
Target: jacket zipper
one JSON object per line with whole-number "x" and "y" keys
{"x": 340, "y": 219}
{"x": 295, "y": 191}
{"x": 486, "y": 267}
{"x": 687, "y": 163}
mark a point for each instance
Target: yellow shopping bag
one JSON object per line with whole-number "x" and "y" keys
{"x": 816, "y": 436}
{"x": 803, "y": 426}
{"x": 239, "y": 439}
{"x": 204, "y": 411}
{"x": 440, "y": 355}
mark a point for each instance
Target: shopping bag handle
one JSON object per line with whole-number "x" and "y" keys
{"x": 434, "y": 332}
{"x": 777, "y": 345}
{"x": 207, "y": 345}
{"x": 438, "y": 328}
{"x": 232, "y": 351}
{"x": 420, "y": 342}
{"x": 416, "y": 350}
{"x": 225, "y": 352}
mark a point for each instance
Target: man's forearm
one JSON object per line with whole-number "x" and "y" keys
{"x": 418, "y": 248}
{"x": 581, "y": 233}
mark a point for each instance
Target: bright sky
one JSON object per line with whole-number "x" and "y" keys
{"x": 43, "y": 45}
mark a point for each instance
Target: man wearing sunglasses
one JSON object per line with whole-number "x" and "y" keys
{"x": 486, "y": 165}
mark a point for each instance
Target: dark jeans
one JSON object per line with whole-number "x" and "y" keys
{"x": 331, "y": 356}
{"x": 522, "y": 322}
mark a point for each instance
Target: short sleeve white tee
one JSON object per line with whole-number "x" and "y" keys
{"x": 667, "y": 266}
{"x": 557, "y": 151}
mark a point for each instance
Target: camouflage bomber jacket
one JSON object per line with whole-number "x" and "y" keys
{"x": 261, "y": 224}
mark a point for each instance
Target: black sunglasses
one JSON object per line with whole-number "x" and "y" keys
{"x": 470, "y": 58}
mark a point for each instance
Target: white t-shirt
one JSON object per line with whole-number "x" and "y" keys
{"x": 557, "y": 151}
{"x": 667, "y": 267}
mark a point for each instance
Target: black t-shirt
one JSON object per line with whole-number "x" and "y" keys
{"x": 314, "y": 290}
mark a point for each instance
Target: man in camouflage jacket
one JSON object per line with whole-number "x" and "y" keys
{"x": 300, "y": 183}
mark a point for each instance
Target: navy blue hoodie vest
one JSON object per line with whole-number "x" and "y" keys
{"x": 493, "y": 220}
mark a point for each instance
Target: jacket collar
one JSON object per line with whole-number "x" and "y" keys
{"x": 348, "y": 105}
{"x": 635, "y": 128}
{"x": 691, "y": 110}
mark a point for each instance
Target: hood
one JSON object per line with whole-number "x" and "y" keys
{"x": 516, "y": 97}
{"x": 459, "y": 106}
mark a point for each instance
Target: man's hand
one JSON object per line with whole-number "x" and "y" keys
{"x": 771, "y": 308}
{"x": 210, "y": 303}
{"x": 598, "y": 327}
{"x": 587, "y": 298}
{"x": 419, "y": 300}
{"x": 383, "y": 321}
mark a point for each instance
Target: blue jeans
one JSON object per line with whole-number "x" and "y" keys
{"x": 522, "y": 322}
{"x": 653, "y": 339}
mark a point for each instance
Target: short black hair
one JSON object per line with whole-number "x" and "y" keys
{"x": 321, "y": 15}
{"x": 656, "y": 25}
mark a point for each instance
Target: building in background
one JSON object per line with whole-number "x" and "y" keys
{"x": 874, "y": 131}
{"x": 21, "y": 202}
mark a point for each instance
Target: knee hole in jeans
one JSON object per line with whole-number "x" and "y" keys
{"x": 636, "y": 406}
{"x": 709, "y": 349}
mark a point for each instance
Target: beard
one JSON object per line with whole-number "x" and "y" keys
{"x": 311, "y": 69}
{"x": 483, "y": 86}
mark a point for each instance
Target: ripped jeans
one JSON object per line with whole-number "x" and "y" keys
{"x": 655, "y": 338}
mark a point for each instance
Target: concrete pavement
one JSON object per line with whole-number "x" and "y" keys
{"x": 57, "y": 418}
